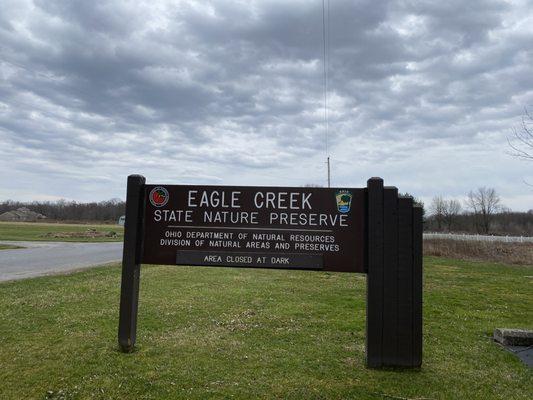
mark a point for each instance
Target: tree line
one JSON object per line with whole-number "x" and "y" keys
{"x": 62, "y": 210}
{"x": 481, "y": 213}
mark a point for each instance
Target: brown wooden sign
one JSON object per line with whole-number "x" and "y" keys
{"x": 370, "y": 230}
{"x": 265, "y": 227}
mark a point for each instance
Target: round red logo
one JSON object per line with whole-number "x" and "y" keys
{"x": 159, "y": 196}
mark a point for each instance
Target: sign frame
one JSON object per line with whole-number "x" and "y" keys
{"x": 392, "y": 257}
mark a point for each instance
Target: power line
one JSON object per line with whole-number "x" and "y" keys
{"x": 325, "y": 40}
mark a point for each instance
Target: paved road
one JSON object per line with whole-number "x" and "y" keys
{"x": 43, "y": 258}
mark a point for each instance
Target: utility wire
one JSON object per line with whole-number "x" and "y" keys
{"x": 325, "y": 41}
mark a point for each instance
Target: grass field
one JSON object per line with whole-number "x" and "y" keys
{"x": 244, "y": 333}
{"x": 59, "y": 232}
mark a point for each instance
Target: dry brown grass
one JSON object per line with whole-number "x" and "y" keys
{"x": 508, "y": 253}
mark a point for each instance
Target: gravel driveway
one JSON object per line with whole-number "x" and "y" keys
{"x": 43, "y": 258}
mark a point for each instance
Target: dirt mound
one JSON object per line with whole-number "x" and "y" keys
{"x": 88, "y": 234}
{"x": 21, "y": 214}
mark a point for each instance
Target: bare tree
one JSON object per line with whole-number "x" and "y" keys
{"x": 437, "y": 209}
{"x": 444, "y": 212}
{"x": 483, "y": 202}
{"x": 521, "y": 141}
{"x": 452, "y": 208}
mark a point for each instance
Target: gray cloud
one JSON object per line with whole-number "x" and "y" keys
{"x": 422, "y": 93}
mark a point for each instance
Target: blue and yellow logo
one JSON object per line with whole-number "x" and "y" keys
{"x": 344, "y": 200}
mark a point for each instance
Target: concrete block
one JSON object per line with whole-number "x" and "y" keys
{"x": 513, "y": 337}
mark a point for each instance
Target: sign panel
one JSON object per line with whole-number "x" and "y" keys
{"x": 265, "y": 227}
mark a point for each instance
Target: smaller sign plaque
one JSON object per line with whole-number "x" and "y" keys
{"x": 259, "y": 260}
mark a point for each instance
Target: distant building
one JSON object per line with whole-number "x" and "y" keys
{"x": 21, "y": 214}
{"x": 122, "y": 220}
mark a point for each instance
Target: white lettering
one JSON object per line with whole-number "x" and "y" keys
{"x": 270, "y": 198}
{"x": 191, "y": 198}
{"x": 311, "y": 219}
{"x": 204, "y": 202}
{"x": 305, "y": 201}
{"x": 294, "y": 201}
{"x": 281, "y": 200}
{"x": 258, "y": 203}
{"x": 235, "y": 199}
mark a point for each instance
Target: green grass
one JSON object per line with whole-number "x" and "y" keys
{"x": 246, "y": 334}
{"x": 38, "y": 231}
{"x": 9, "y": 247}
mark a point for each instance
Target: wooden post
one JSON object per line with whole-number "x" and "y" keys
{"x": 374, "y": 280}
{"x": 390, "y": 277}
{"x": 417, "y": 284}
{"x": 405, "y": 281}
{"x": 131, "y": 263}
{"x": 394, "y": 280}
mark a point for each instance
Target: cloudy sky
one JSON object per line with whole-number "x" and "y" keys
{"x": 421, "y": 93}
